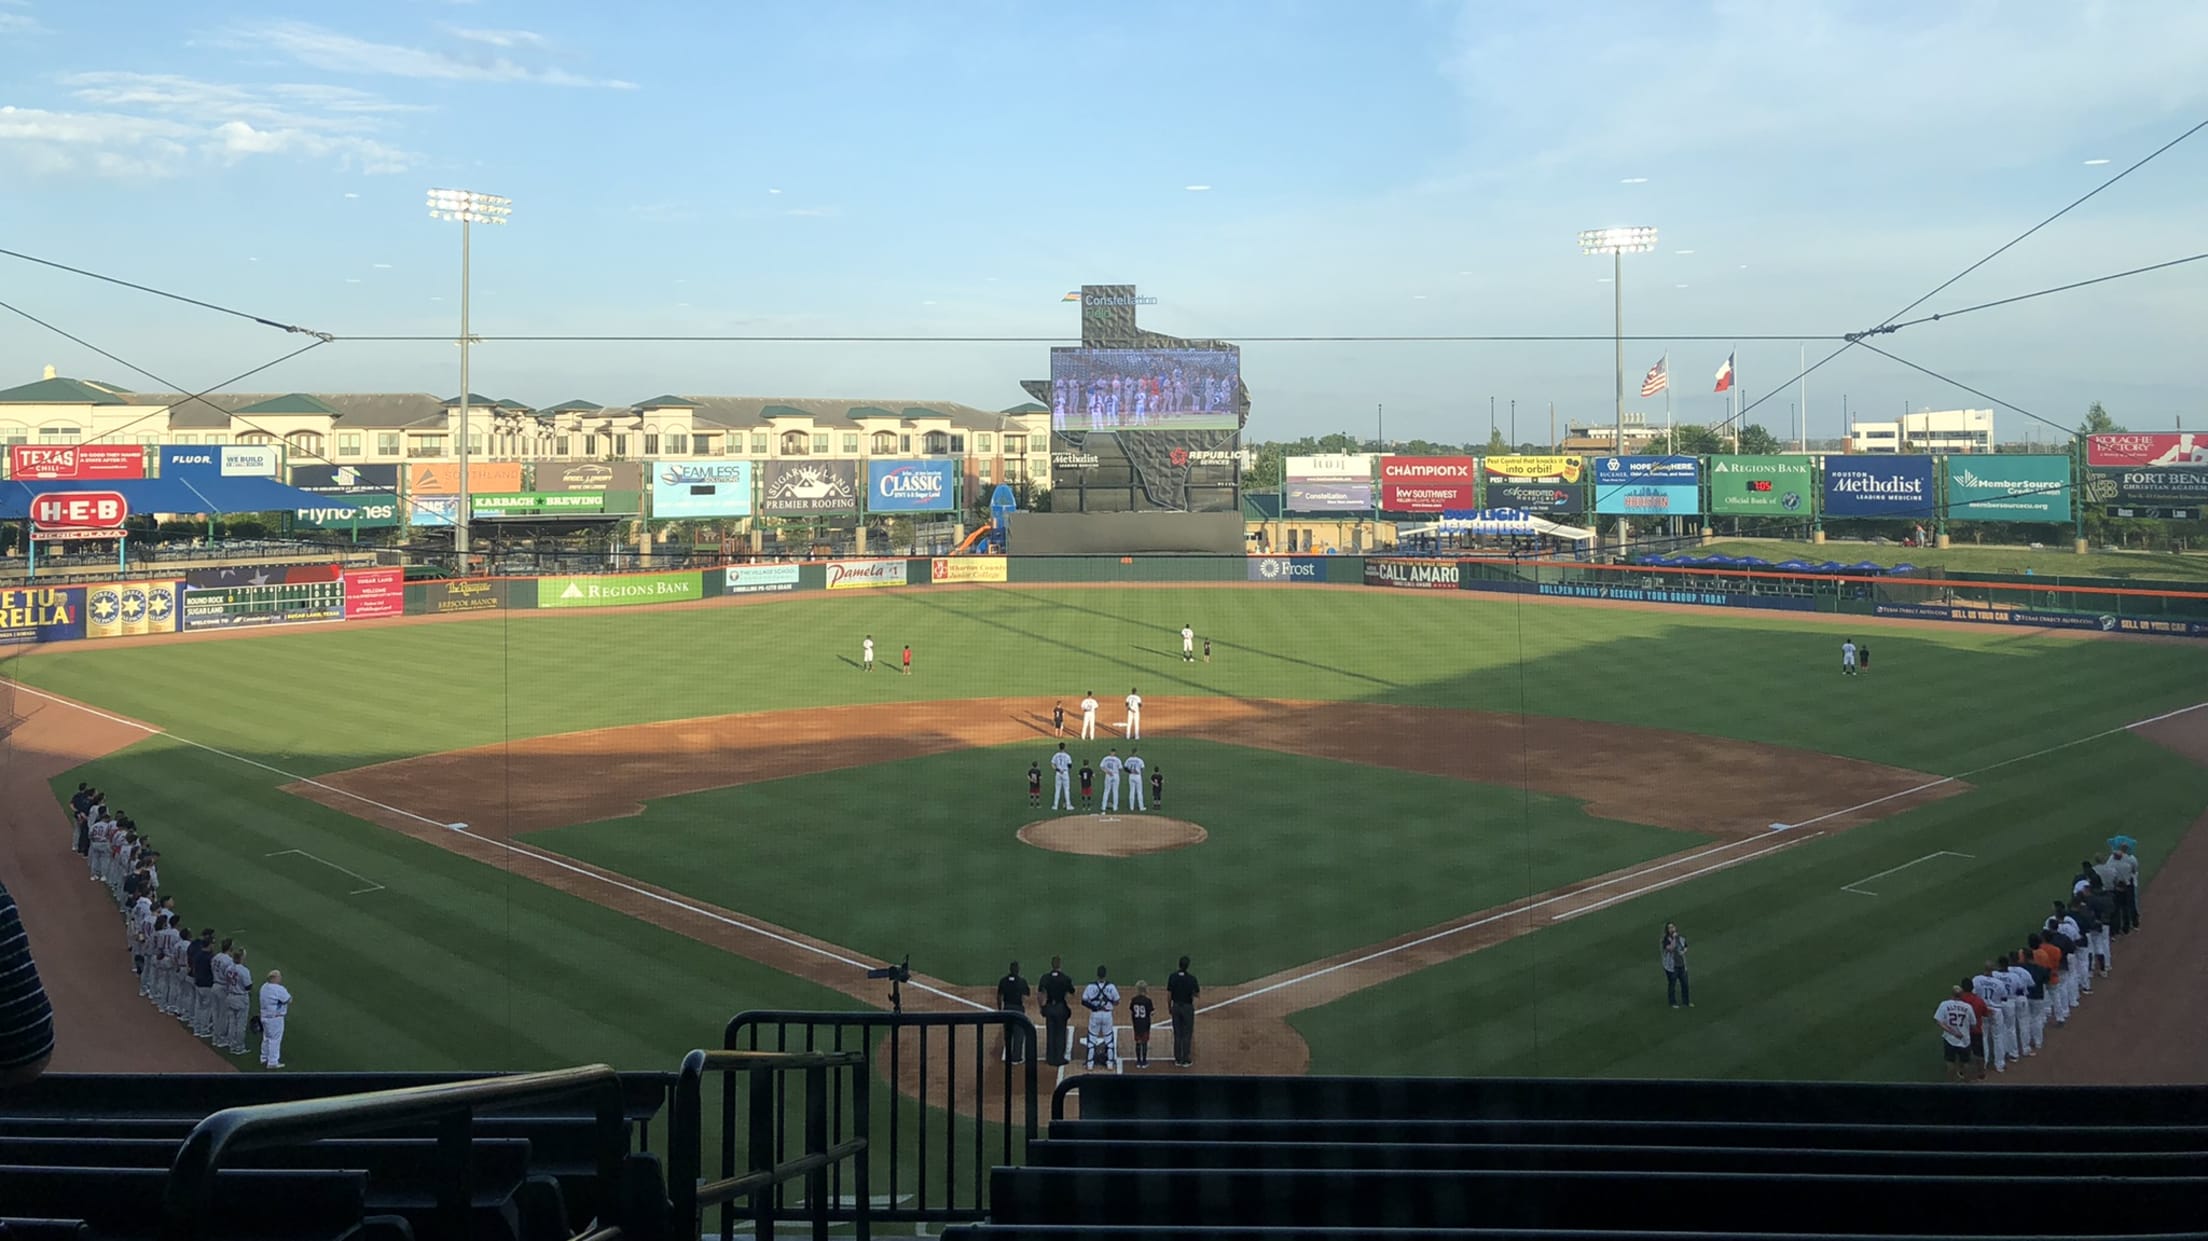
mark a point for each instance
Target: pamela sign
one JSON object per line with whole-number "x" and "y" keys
{"x": 909, "y": 486}
{"x": 1878, "y": 487}
{"x": 864, "y": 574}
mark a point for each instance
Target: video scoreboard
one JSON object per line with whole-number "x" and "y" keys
{"x": 274, "y": 603}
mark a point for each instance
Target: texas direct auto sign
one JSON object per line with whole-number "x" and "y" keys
{"x": 1426, "y": 484}
{"x": 1878, "y": 487}
{"x": 910, "y": 486}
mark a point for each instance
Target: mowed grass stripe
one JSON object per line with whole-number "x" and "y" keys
{"x": 451, "y": 964}
{"x": 1792, "y": 976}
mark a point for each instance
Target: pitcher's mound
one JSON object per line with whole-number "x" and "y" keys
{"x": 1112, "y": 835}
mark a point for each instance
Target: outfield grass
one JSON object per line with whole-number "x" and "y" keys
{"x": 2056, "y": 559}
{"x": 1306, "y": 857}
{"x": 454, "y": 965}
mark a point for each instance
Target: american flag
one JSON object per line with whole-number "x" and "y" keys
{"x": 1659, "y": 378}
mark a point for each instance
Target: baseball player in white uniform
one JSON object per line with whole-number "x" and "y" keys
{"x": 866, "y": 654}
{"x": 1188, "y": 644}
{"x": 1847, "y": 658}
{"x": 1991, "y": 987}
{"x": 1088, "y": 716}
{"x": 1061, "y": 781}
{"x": 1133, "y": 726}
{"x": 1109, "y": 769}
{"x": 1134, "y": 767}
{"x": 2019, "y": 1007}
{"x": 234, "y": 988}
{"x": 1100, "y": 998}
{"x": 275, "y": 1006}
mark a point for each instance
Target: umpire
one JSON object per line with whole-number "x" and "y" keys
{"x": 1181, "y": 990}
{"x": 1012, "y": 998}
{"x": 1055, "y": 988}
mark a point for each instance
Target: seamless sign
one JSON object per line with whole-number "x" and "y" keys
{"x": 701, "y": 489}
{"x": 1878, "y": 487}
{"x": 1647, "y": 486}
{"x": 911, "y": 486}
{"x": 1761, "y": 487}
{"x": 2008, "y": 488}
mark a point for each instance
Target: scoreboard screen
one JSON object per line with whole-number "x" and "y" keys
{"x": 278, "y": 603}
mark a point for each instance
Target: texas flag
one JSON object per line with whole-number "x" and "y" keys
{"x": 1725, "y": 375}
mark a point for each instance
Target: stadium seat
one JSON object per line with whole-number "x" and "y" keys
{"x": 2019, "y": 1137}
{"x": 126, "y": 1202}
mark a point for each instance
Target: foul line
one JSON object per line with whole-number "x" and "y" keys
{"x": 1654, "y": 887}
{"x": 373, "y": 886}
{"x": 1858, "y": 888}
{"x": 510, "y": 847}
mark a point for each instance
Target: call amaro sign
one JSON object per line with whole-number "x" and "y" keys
{"x": 925, "y": 486}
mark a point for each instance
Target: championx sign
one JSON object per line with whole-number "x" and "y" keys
{"x": 1426, "y": 484}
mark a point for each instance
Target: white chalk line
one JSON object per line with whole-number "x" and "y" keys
{"x": 1315, "y": 974}
{"x": 373, "y": 886}
{"x": 1858, "y": 888}
{"x": 549, "y": 859}
{"x": 1657, "y": 887}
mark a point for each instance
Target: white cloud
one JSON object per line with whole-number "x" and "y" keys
{"x": 156, "y": 125}
{"x": 20, "y": 23}
{"x": 499, "y": 38}
{"x": 337, "y": 52}
{"x": 812, "y": 212}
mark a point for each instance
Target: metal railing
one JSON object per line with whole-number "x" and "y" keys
{"x": 450, "y": 1107}
{"x": 909, "y": 1193}
{"x": 767, "y": 1169}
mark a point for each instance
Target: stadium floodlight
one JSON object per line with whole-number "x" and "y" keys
{"x": 465, "y": 207}
{"x": 1617, "y": 243}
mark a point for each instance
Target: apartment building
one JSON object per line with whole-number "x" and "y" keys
{"x": 1932, "y": 431}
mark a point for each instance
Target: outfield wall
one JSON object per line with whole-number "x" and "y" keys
{"x": 282, "y": 596}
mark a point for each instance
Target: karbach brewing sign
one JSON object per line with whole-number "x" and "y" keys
{"x": 78, "y": 515}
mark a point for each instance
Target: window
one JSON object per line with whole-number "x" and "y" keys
{"x": 560, "y": 445}
{"x": 620, "y": 445}
{"x": 590, "y": 445}
{"x": 985, "y": 471}
{"x": 904, "y": 443}
{"x": 820, "y": 442}
{"x": 58, "y": 435}
{"x": 958, "y": 443}
{"x": 180, "y": 440}
{"x": 305, "y": 443}
{"x": 677, "y": 445}
{"x": 348, "y": 444}
{"x": 986, "y": 440}
{"x": 793, "y": 443}
{"x": 938, "y": 442}
{"x": 707, "y": 445}
{"x": 427, "y": 446}
{"x": 218, "y": 437}
{"x": 475, "y": 445}
{"x": 885, "y": 443}
{"x": 759, "y": 444}
{"x": 1014, "y": 445}
{"x": 850, "y": 443}
{"x": 651, "y": 445}
{"x": 387, "y": 443}
{"x": 255, "y": 437}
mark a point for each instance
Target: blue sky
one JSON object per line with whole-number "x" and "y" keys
{"x": 877, "y": 168}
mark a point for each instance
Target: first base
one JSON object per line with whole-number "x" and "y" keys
{"x": 457, "y": 827}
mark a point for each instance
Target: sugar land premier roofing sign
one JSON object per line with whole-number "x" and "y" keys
{"x": 910, "y": 486}
{"x": 1761, "y": 487}
{"x": 620, "y": 591}
{"x": 1878, "y": 487}
{"x": 2008, "y": 488}
{"x": 796, "y": 488}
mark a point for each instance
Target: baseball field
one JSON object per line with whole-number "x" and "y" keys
{"x": 1409, "y": 832}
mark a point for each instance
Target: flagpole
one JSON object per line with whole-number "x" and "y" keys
{"x": 1734, "y": 358}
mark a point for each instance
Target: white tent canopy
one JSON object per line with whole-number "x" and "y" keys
{"x": 1505, "y": 522}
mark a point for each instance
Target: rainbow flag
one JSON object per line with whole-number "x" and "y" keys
{"x": 1074, "y": 296}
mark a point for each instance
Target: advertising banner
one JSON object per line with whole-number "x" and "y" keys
{"x": 584, "y": 476}
{"x": 865, "y": 574}
{"x": 442, "y": 478}
{"x": 469, "y": 595}
{"x": 1761, "y": 487}
{"x": 366, "y": 495}
{"x": 132, "y": 609}
{"x": 1533, "y": 469}
{"x": 1351, "y": 467}
{"x": 223, "y": 461}
{"x": 1569, "y": 498}
{"x": 701, "y": 489}
{"x": 74, "y": 462}
{"x": 2102, "y": 622}
{"x": 433, "y": 510}
{"x": 237, "y": 597}
{"x": 1428, "y": 484}
{"x": 618, "y": 591}
{"x": 41, "y": 614}
{"x": 1144, "y": 389}
{"x": 1287, "y": 569}
{"x": 911, "y": 486}
{"x": 968, "y": 569}
{"x": 2134, "y": 449}
{"x": 759, "y": 579}
{"x": 799, "y": 488}
{"x": 78, "y": 515}
{"x": 1145, "y": 471}
{"x": 2155, "y": 486}
{"x": 372, "y": 593}
{"x": 1648, "y": 486}
{"x": 1412, "y": 574}
{"x": 1641, "y": 594}
{"x": 537, "y": 503}
{"x": 1300, "y": 496}
{"x": 2008, "y": 488}
{"x": 1878, "y": 487}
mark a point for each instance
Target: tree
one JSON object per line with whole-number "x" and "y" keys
{"x": 1755, "y": 439}
{"x": 2097, "y": 421}
{"x": 1497, "y": 444}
